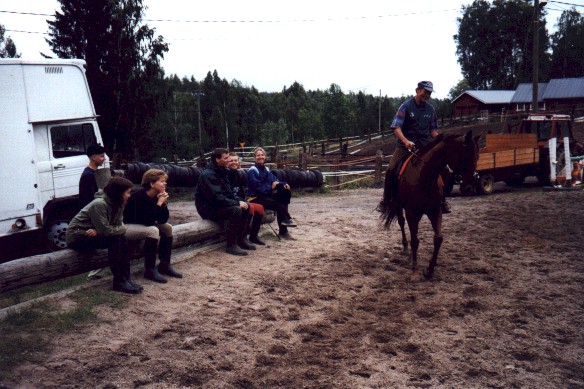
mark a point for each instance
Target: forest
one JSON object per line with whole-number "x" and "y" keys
{"x": 145, "y": 114}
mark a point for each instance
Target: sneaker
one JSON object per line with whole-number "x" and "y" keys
{"x": 445, "y": 207}
{"x": 288, "y": 223}
{"x": 94, "y": 274}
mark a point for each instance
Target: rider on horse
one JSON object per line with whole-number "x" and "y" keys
{"x": 414, "y": 125}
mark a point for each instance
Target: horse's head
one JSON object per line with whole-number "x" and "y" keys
{"x": 463, "y": 156}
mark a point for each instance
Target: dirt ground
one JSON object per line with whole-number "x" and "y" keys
{"x": 336, "y": 308}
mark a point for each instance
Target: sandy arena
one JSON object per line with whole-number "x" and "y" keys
{"x": 335, "y": 308}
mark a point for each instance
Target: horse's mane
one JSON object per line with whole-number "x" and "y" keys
{"x": 424, "y": 149}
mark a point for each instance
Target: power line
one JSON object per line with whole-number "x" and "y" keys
{"x": 267, "y": 21}
{"x": 562, "y": 2}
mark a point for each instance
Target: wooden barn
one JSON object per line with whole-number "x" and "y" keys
{"x": 473, "y": 102}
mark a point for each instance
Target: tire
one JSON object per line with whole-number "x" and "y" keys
{"x": 484, "y": 184}
{"x": 467, "y": 189}
{"x": 56, "y": 233}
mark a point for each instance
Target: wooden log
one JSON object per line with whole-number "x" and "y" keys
{"x": 65, "y": 263}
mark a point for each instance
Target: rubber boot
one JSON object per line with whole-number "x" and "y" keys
{"x": 150, "y": 271}
{"x": 164, "y": 253}
{"x": 242, "y": 240}
{"x": 256, "y": 223}
{"x": 117, "y": 263}
{"x": 232, "y": 247}
{"x": 126, "y": 269}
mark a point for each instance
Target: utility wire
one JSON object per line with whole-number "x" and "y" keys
{"x": 263, "y": 21}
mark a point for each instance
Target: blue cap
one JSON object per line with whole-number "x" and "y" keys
{"x": 426, "y": 85}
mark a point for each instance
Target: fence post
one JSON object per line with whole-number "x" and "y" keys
{"x": 336, "y": 177}
{"x": 302, "y": 160}
{"x": 378, "y": 167}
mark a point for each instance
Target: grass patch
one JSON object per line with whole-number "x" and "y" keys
{"x": 32, "y": 292}
{"x": 27, "y": 334}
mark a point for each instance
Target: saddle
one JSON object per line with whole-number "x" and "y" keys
{"x": 401, "y": 167}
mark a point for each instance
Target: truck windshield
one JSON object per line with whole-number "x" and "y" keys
{"x": 71, "y": 140}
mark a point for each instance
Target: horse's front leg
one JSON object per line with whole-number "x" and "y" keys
{"x": 402, "y": 225}
{"x": 413, "y": 221}
{"x": 436, "y": 220}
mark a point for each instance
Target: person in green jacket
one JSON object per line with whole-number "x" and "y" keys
{"x": 100, "y": 225}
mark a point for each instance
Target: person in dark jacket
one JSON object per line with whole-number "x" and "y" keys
{"x": 256, "y": 211}
{"x": 265, "y": 189}
{"x": 146, "y": 217}
{"x": 100, "y": 225}
{"x": 87, "y": 181}
{"x": 216, "y": 201}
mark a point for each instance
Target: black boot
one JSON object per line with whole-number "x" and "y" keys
{"x": 164, "y": 253}
{"x": 150, "y": 271}
{"x": 245, "y": 244}
{"x": 119, "y": 265}
{"x": 256, "y": 223}
{"x": 232, "y": 247}
{"x": 242, "y": 240}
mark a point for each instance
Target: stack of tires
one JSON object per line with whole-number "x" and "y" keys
{"x": 177, "y": 175}
{"x": 189, "y": 176}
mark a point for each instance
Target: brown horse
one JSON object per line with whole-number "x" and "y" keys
{"x": 419, "y": 191}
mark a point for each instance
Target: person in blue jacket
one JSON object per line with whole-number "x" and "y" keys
{"x": 265, "y": 189}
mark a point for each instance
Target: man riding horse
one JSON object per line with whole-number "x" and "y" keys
{"x": 414, "y": 125}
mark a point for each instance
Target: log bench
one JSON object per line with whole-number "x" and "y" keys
{"x": 65, "y": 263}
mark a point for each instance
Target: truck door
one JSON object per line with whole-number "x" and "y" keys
{"x": 68, "y": 143}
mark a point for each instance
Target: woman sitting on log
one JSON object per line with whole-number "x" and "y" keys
{"x": 100, "y": 225}
{"x": 146, "y": 217}
{"x": 265, "y": 189}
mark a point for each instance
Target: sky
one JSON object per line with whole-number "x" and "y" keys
{"x": 375, "y": 46}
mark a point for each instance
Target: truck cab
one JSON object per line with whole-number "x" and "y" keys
{"x": 47, "y": 121}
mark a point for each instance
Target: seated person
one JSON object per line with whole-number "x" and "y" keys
{"x": 100, "y": 225}
{"x": 256, "y": 211}
{"x": 265, "y": 189}
{"x": 146, "y": 217}
{"x": 215, "y": 200}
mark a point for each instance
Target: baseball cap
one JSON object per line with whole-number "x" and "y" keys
{"x": 426, "y": 85}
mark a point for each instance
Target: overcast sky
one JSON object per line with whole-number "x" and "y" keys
{"x": 367, "y": 45}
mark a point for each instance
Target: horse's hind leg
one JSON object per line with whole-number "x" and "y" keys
{"x": 402, "y": 225}
{"x": 436, "y": 221}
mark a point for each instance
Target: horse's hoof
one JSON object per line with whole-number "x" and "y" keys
{"x": 427, "y": 275}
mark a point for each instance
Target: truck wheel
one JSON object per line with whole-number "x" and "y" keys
{"x": 56, "y": 233}
{"x": 484, "y": 184}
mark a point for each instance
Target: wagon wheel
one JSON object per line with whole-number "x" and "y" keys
{"x": 484, "y": 184}
{"x": 467, "y": 189}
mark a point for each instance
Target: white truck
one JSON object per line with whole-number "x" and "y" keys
{"x": 47, "y": 121}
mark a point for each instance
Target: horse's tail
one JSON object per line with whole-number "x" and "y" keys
{"x": 390, "y": 212}
{"x": 390, "y": 206}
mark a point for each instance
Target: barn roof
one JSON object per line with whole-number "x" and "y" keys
{"x": 489, "y": 96}
{"x": 565, "y": 88}
{"x": 524, "y": 94}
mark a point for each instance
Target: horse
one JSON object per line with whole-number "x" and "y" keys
{"x": 420, "y": 192}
